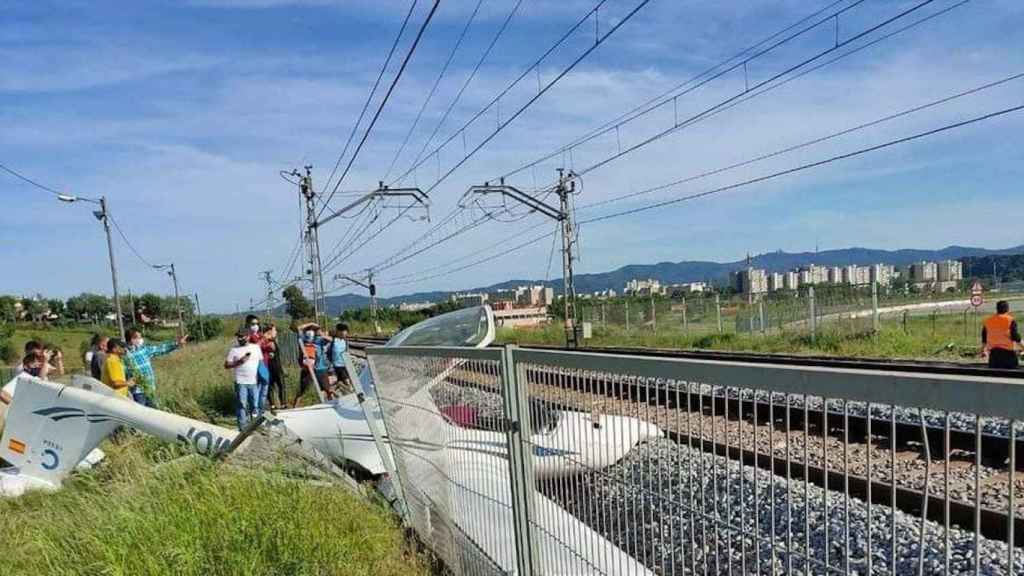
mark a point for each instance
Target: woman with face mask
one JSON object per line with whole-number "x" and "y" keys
{"x": 34, "y": 364}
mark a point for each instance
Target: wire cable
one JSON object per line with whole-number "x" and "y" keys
{"x": 812, "y": 142}
{"x": 366, "y": 105}
{"x": 803, "y": 167}
{"x": 380, "y": 108}
{"x": 28, "y": 180}
{"x": 433, "y": 89}
{"x": 764, "y": 178}
{"x": 128, "y": 242}
{"x": 465, "y": 85}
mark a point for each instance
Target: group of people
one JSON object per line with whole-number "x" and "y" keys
{"x": 259, "y": 375}
{"x": 126, "y": 368}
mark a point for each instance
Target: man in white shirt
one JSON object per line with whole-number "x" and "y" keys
{"x": 244, "y": 359}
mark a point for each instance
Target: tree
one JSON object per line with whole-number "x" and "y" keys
{"x": 7, "y": 308}
{"x": 34, "y": 308}
{"x": 152, "y": 305}
{"x": 56, "y": 306}
{"x": 297, "y": 305}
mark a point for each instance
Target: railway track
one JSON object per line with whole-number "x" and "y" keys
{"x": 580, "y": 393}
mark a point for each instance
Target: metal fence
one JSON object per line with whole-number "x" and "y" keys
{"x": 542, "y": 462}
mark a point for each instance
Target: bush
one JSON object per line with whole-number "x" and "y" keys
{"x": 205, "y": 328}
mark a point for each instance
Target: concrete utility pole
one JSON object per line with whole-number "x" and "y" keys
{"x": 565, "y": 188}
{"x": 103, "y": 215}
{"x": 199, "y": 315}
{"x": 266, "y": 275}
{"x": 177, "y": 295}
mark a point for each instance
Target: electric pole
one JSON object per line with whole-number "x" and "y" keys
{"x": 312, "y": 239}
{"x": 199, "y": 314}
{"x": 177, "y": 295}
{"x": 266, "y": 275}
{"x": 103, "y": 215}
{"x": 563, "y": 213}
{"x": 372, "y": 288}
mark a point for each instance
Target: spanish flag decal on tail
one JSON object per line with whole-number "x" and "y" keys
{"x": 16, "y": 446}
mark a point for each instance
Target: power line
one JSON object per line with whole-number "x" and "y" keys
{"x": 28, "y": 180}
{"x": 803, "y": 167}
{"x": 812, "y": 142}
{"x": 373, "y": 91}
{"x": 598, "y": 41}
{"x": 465, "y": 85}
{"x": 433, "y": 89}
{"x": 501, "y": 126}
{"x": 649, "y": 105}
{"x": 712, "y": 111}
{"x": 376, "y": 115}
{"x": 701, "y": 115}
{"x": 128, "y": 243}
{"x": 718, "y": 190}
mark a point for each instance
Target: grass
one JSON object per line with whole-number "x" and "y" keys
{"x": 946, "y": 337}
{"x": 142, "y": 514}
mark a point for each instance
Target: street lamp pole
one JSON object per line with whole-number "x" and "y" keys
{"x": 103, "y": 215}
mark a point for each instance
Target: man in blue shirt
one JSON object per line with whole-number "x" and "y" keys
{"x": 339, "y": 346}
{"x": 314, "y": 361}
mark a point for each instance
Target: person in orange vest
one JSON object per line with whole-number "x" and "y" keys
{"x": 1000, "y": 338}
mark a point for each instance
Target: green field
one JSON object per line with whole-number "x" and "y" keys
{"x": 143, "y": 512}
{"x": 949, "y": 337}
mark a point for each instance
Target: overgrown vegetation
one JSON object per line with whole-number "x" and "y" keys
{"x": 947, "y": 337}
{"x": 141, "y": 514}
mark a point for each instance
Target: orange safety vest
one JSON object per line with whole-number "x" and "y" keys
{"x": 997, "y": 331}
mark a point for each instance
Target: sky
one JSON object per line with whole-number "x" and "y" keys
{"x": 183, "y": 115}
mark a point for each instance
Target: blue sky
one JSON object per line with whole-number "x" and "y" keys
{"x": 182, "y": 114}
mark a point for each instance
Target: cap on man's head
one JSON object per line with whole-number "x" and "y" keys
{"x": 242, "y": 333}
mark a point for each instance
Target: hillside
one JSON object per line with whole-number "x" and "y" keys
{"x": 718, "y": 272}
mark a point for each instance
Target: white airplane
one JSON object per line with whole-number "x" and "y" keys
{"x": 51, "y": 428}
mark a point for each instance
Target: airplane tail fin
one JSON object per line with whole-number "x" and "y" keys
{"x": 47, "y": 434}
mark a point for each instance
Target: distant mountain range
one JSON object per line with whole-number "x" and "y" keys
{"x": 696, "y": 270}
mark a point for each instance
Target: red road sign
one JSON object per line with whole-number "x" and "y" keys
{"x": 976, "y": 300}
{"x": 976, "y": 288}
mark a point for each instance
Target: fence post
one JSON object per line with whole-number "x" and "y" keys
{"x": 718, "y": 311}
{"x": 602, "y": 315}
{"x": 874, "y": 307}
{"x": 520, "y": 459}
{"x": 813, "y": 313}
{"x": 685, "y": 323}
{"x": 627, "y": 315}
{"x": 654, "y": 318}
{"x": 377, "y": 427}
{"x": 760, "y": 311}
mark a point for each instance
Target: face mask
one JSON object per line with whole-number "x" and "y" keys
{"x": 254, "y": 328}
{"x": 138, "y": 343}
{"x": 34, "y": 371}
{"x": 243, "y": 341}
{"x": 310, "y": 334}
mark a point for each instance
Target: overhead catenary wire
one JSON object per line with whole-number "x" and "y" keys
{"x": 710, "y": 70}
{"x": 465, "y": 85}
{"x": 652, "y": 104}
{"x": 812, "y": 142}
{"x": 697, "y": 117}
{"x": 397, "y": 259}
{"x": 734, "y": 186}
{"x": 433, "y": 89}
{"x": 369, "y": 98}
{"x": 380, "y": 108}
{"x": 541, "y": 91}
